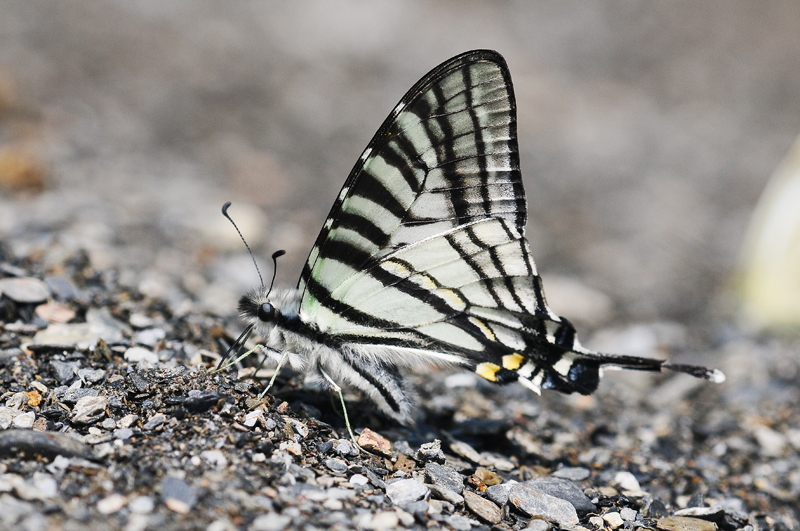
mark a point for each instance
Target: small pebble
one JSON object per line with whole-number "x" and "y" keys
{"x": 565, "y": 490}
{"x": 123, "y": 433}
{"x": 179, "y": 491}
{"x": 337, "y": 466}
{"x": 127, "y": 420}
{"x": 149, "y": 337}
{"x": 55, "y": 312}
{"x": 358, "y": 479}
{"x": 572, "y": 473}
{"x": 91, "y": 375}
{"x": 626, "y": 481}
{"x": 89, "y": 409}
{"x": 405, "y": 491}
{"x": 535, "y": 503}
{"x": 627, "y": 514}
{"x": 683, "y": 523}
{"x": 443, "y": 493}
{"x": 483, "y": 508}
{"x": 344, "y": 448}
{"x": 613, "y": 519}
{"x": 141, "y": 505}
{"x": 139, "y": 354}
{"x": 111, "y": 504}
{"x": 215, "y": 457}
{"x": 499, "y": 493}
{"x": 597, "y": 522}
{"x": 153, "y": 422}
{"x": 459, "y": 523}
{"x": 537, "y": 524}
{"x": 24, "y": 420}
{"x": 383, "y": 520}
{"x": 270, "y": 522}
{"x": 65, "y": 370}
{"x": 25, "y": 290}
{"x": 444, "y": 476}
{"x": 140, "y": 320}
{"x": 466, "y": 451}
{"x": 431, "y": 451}
{"x": 488, "y": 477}
{"x": 375, "y": 443}
{"x": 772, "y": 442}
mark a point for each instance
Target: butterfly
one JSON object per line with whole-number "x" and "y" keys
{"x": 423, "y": 258}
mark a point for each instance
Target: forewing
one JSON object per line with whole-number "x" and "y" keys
{"x": 445, "y": 157}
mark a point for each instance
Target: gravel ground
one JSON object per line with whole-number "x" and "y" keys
{"x": 646, "y": 138}
{"x": 113, "y": 420}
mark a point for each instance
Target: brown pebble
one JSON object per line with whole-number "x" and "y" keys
{"x": 34, "y": 398}
{"x": 488, "y": 477}
{"x": 404, "y": 463}
{"x": 684, "y": 523}
{"x": 484, "y": 509}
{"x": 374, "y": 442}
{"x": 55, "y": 312}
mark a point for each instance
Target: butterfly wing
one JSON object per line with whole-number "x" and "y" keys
{"x": 445, "y": 156}
{"x": 424, "y": 255}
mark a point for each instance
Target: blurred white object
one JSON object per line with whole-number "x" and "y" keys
{"x": 770, "y": 259}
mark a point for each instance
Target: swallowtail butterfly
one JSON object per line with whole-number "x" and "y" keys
{"x": 423, "y": 258}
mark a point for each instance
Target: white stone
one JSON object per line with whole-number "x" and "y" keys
{"x": 613, "y": 519}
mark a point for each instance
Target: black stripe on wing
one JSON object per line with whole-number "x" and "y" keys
{"x": 451, "y": 138}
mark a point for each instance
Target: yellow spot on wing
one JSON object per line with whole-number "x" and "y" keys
{"x": 485, "y": 329}
{"x": 488, "y": 371}
{"x": 512, "y": 361}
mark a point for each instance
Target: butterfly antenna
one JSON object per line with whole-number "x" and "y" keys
{"x": 225, "y": 213}
{"x": 275, "y": 256}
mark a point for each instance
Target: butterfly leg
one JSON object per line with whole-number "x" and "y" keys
{"x": 281, "y": 361}
{"x": 338, "y": 389}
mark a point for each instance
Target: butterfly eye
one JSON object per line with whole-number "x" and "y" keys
{"x": 266, "y": 312}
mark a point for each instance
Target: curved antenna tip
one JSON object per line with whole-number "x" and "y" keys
{"x": 278, "y": 254}
{"x": 225, "y": 208}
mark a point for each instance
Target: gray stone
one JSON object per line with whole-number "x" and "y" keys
{"x": 25, "y": 290}
{"x": 91, "y": 375}
{"x": 344, "y": 448}
{"x": 123, "y": 433}
{"x": 431, "y": 451}
{"x": 499, "y": 493}
{"x": 73, "y": 394}
{"x": 537, "y": 524}
{"x": 336, "y": 466}
{"x": 444, "y": 476}
{"x": 536, "y": 503}
{"x": 139, "y": 354}
{"x": 406, "y": 491}
{"x": 99, "y": 325}
{"x": 65, "y": 370}
{"x": 177, "y": 489}
{"x": 483, "y": 508}
{"x": 153, "y": 422}
{"x": 627, "y": 514}
{"x": 466, "y": 451}
{"x": 458, "y": 522}
{"x": 89, "y": 409}
{"x": 62, "y": 287}
{"x": 572, "y": 473}
{"x": 149, "y": 337}
{"x": 564, "y": 489}
{"x": 141, "y": 505}
{"x": 443, "y": 493}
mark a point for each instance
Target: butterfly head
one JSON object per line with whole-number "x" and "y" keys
{"x": 255, "y": 308}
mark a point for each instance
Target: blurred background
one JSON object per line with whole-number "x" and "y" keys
{"x": 647, "y": 133}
